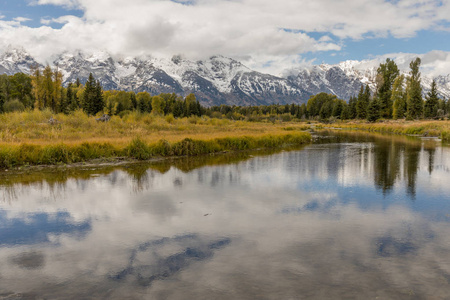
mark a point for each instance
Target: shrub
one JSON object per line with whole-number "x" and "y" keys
{"x": 162, "y": 148}
{"x": 193, "y": 119}
{"x": 13, "y": 105}
{"x": 286, "y": 117}
{"x": 216, "y": 115}
{"x": 138, "y": 149}
{"x": 190, "y": 147}
{"x": 170, "y": 119}
{"x": 124, "y": 113}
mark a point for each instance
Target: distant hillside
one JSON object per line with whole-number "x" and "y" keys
{"x": 217, "y": 80}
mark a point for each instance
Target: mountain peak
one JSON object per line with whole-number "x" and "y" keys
{"x": 15, "y": 54}
{"x": 16, "y": 60}
{"x": 216, "y": 80}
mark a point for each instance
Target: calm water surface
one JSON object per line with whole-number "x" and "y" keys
{"x": 349, "y": 217}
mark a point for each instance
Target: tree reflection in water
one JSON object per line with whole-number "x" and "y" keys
{"x": 331, "y": 220}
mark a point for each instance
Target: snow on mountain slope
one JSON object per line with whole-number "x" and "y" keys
{"x": 345, "y": 79}
{"x": 217, "y": 80}
{"x": 16, "y": 60}
{"x": 443, "y": 82}
{"x": 328, "y": 79}
{"x": 218, "y": 70}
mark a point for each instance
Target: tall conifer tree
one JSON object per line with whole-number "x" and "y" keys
{"x": 431, "y": 104}
{"x": 373, "y": 110}
{"x": 93, "y": 96}
{"x": 363, "y": 102}
{"x": 414, "y": 91}
{"x": 387, "y": 73}
{"x": 398, "y": 98}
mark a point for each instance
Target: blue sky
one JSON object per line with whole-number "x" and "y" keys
{"x": 424, "y": 42}
{"x": 266, "y": 35}
{"x": 11, "y": 9}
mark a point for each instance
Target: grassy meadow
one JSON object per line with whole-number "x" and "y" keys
{"x": 27, "y": 138}
{"x": 430, "y": 128}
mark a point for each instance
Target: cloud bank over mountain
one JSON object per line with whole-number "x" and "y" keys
{"x": 216, "y": 80}
{"x": 266, "y": 35}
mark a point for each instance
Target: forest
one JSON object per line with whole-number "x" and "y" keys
{"x": 396, "y": 97}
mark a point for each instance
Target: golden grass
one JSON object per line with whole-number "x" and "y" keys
{"x": 422, "y": 128}
{"x": 33, "y": 128}
{"x": 27, "y": 138}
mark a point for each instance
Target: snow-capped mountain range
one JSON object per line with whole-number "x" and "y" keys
{"x": 217, "y": 80}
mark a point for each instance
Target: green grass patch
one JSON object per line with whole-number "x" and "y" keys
{"x": 28, "y": 154}
{"x": 423, "y": 128}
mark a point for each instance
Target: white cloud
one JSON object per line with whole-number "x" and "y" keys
{"x": 245, "y": 28}
{"x": 64, "y": 3}
{"x": 45, "y": 21}
{"x": 343, "y": 237}
{"x": 21, "y": 19}
{"x": 433, "y": 63}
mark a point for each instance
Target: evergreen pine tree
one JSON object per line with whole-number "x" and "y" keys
{"x": 414, "y": 92}
{"x": 352, "y": 108}
{"x": 142, "y": 106}
{"x": 64, "y": 102}
{"x": 99, "y": 104}
{"x": 133, "y": 99}
{"x": 363, "y": 102}
{"x": 387, "y": 73}
{"x": 337, "y": 108}
{"x": 119, "y": 107}
{"x": 3, "y": 90}
{"x": 190, "y": 105}
{"x": 345, "y": 114}
{"x": 144, "y": 99}
{"x": 69, "y": 95}
{"x": 373, "y": 111}
{"x": 326, "y": 110}
{"x": 89, "y": 96}
{"x": 72, "y": 100}
{"x": 431, "y": 104}
{"x": 293, "y": 109}
{"x": 195, "y": 108}
{"x": 302, "y": 112}
{"x": 398, "y": 98}
{"x": 178, "y": 109}
{"x": 199, "y": 109}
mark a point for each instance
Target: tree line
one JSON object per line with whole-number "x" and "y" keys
{"x": 396, "y": 97}
{"x": 43, "y": 89}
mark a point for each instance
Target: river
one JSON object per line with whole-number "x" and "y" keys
{"x": 350, "y": 216}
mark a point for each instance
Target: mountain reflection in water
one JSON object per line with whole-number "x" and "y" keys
{"x": 349, "y": 216}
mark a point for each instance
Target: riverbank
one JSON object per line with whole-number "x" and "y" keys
{"x": 439, "y": 129}
{"x": 28, "y": 154}
{"x": 29, "y": 139}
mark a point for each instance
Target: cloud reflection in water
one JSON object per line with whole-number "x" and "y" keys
{"x": 335, "y": 220}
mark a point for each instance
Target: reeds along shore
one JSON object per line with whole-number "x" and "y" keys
{"x": 28, "y": 138}
{"x": 26, "y": 154}
{"x": 439, "y": 129}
